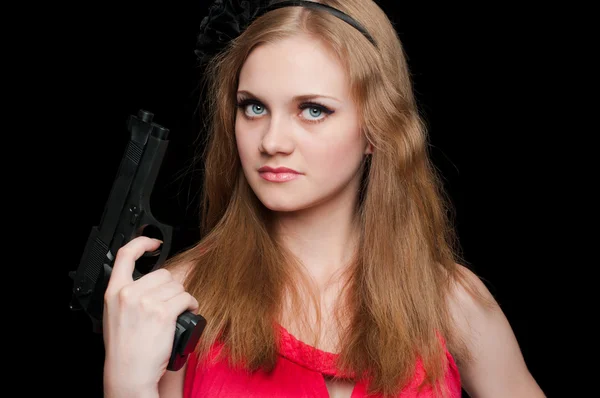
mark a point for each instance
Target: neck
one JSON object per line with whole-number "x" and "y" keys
{"x": 323, "y": 238}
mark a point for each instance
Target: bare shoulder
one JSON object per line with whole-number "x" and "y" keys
{"x": 497, "y": 367}
{"x": 466, "y": 304}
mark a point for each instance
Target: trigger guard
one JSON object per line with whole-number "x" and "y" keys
{"x": 155, "y": 253}
{"x": 166, "y": 231}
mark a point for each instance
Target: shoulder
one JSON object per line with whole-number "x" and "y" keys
{"x": 496, "y": 367}
{"x": 469, "y": 298}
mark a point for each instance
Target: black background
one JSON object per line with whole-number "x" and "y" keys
{"x": 480, "y": 77}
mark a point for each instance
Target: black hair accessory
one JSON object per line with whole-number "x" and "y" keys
{"x": 227, "y": 19}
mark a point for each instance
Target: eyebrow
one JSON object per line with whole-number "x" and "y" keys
{"x": 298, "y": 98}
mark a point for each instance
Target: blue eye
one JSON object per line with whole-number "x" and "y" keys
{"x": 257, "y": 109}
{"x": 314, "y": 111}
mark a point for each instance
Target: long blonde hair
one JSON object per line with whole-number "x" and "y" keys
{"x": 406, "y": 260}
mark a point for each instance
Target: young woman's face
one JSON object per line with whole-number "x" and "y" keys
{"x": 295, "y": 112}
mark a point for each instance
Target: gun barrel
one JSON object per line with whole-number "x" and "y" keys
{"x": 126, "y": 211}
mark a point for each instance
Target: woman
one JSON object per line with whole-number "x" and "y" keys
{"x": 327, "y": 265}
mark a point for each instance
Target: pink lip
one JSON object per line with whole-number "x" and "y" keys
{"x": 279, "y": 174}
{"x": 277, "y": 170}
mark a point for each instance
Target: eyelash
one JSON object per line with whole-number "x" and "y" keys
{"x": 243, "y": 103}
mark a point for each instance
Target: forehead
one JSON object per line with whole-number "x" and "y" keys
{"x": 294, "y": 66}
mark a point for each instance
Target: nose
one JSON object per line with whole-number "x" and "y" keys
{"x": 278, "y": 136}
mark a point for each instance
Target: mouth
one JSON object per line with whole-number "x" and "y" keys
{"x": 276, "y": 170}
{"x": 278, "y": 174}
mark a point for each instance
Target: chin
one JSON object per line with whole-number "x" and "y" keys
{"x": 281, "y": 206}
{"x": 277, "y": 200}
{"x": 283, "y": 202}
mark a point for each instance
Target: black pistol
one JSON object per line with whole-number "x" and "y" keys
{"x": 126, "y": 215}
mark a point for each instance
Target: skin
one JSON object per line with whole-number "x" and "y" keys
{"x": 315, "y": 214}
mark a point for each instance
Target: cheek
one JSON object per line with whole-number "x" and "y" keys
{"x": 337, "y": 155}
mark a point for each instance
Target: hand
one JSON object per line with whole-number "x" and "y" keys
{"x": 139, "y": 320}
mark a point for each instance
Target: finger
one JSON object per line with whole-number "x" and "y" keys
{"x": 166, "y": 291}
{"x": 181, "y": 303}
{"x": 126, "y": 257}
{"x": 154, "y": 279}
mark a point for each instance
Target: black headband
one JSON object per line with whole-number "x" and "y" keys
{"x": 318, "y": 6}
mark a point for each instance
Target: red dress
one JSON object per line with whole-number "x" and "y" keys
{"x": 298, "y": 373}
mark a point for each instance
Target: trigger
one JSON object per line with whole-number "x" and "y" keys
{"x": 153, "y": 253}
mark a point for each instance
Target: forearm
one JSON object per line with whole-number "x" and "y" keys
{"x": 121, "y": 384}
{"x": 123, "y": 390}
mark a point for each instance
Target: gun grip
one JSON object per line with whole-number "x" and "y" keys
{"x": 187, "y": 333}
{"x": 188, "y": 329}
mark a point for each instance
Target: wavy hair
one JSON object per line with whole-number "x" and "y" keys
{"x": 395, "y": 299}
